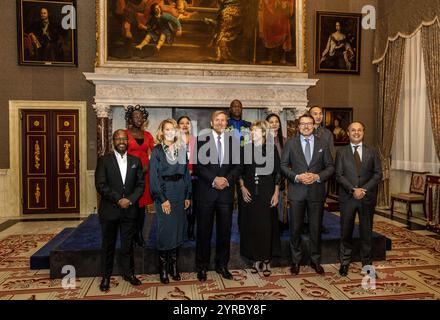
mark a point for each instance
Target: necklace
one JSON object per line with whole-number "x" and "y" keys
{"x": 170, "y": 156}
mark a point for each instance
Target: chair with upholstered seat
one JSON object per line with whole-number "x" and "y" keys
{"x": 416, "y": 194}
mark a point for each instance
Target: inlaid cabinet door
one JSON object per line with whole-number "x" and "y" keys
{"x": 50, "y": 161}
{"x": 67, "y": 161}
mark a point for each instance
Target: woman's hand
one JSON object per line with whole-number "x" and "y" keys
{"x": 274, "y": 200}
{"x": 187, "y": 204}
{"x": 179, "y": 33}
{"x": 166, "y": 207}
{"x": 246, "y": 194}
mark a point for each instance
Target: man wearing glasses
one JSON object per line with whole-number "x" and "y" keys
{"x": 308, "y": 164}
{"x": 120, "y": 182}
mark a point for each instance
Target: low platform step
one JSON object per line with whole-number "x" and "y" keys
{"x": 40, "y": 259}
{"x": 82, "y": 250}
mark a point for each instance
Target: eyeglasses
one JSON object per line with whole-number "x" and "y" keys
{"x": 310, "y": 124}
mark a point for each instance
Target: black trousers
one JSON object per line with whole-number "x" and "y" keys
{"x": 109, "y": 229}
{"x": 207, "y": 211}
{"x": 140, "y": 221}
{"x": 297, "y": 212}
{"x": 191, "y": 212}
{"x": 365, "y": 210}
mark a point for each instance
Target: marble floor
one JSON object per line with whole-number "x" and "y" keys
{"x": 411, "y": 271}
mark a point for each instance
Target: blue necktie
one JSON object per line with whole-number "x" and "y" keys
{"x": 308, "y": 153}
{"x": 220, "y": 151}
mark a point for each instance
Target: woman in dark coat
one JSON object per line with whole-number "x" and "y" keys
{"x": 170, "y": 185}
{"x": 260, "y": 187}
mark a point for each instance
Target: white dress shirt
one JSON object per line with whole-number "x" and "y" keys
{"x": 359, "y": 149}
{"x": 122, "y": 163}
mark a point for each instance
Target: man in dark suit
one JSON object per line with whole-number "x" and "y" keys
{"x": 326, "y": 136}
{"x": 120, "y": 182}
{"x": 308, "y": 164}
{"x": 358, "y": 173}
{"x": 217, "y": 169}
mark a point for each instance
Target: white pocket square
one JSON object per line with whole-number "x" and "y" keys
{"x": 133, "y": 166}
{"x": 321, "y": 150}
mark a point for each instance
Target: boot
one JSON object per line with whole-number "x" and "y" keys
{"x": 174, "y": 272}
{"x": 163, "y": 267}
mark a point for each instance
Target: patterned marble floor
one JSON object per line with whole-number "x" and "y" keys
{"x": 411, "y": 271}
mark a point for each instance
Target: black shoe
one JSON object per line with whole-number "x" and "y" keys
{"x": 318, "y": 268}
{"x": 163, "y": 267}
{"x": 225, "y": 273}
{"x": 132, "y": 279}
{"x": 343, "y": 270}
{"x": 324, "y": 230}
{"x": 295, "y": 269}
{"x": 172, "y": 264}
{"x": 202, "y": 276}
{"x": 105, "y": 284}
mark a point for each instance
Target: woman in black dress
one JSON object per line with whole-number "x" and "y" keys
{"x": 260, "y": 187}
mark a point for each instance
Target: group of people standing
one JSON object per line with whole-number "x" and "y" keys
{"x": 194, "y": 179}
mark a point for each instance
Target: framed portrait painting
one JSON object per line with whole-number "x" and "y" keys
{"x": 47, "y": 34}
{"x": 337, "y": 121}
{"x": 245, "y": 32}
{"x": 338, "y": 42}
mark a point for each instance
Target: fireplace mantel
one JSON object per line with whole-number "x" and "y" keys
{"x": 192, "y": 86}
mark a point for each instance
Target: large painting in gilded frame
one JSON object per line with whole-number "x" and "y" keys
{"x": 253, "y": 33}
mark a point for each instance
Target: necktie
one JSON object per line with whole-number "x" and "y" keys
{"x": 357, "y": 159}
{"x": 219, "y": 150}
{"x": 308, "y": 153}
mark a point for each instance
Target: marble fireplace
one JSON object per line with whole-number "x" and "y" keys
{"x": 162, "y": 87}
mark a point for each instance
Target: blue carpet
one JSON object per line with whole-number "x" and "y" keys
{"x": 87, "y": 237}
{"x": 40, "y": 259}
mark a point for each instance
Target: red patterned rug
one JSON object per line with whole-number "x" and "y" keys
{"x": 411, "y": 271}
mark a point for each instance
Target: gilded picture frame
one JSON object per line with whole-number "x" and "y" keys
{"x": 112, "y": 39}
{"x": 46, "y": 32}
{"x": 338, "y": 42}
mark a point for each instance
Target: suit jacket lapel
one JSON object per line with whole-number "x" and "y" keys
{"x": 301, "y": 152}
{"x": 316, "y": 148}
{"x": 130, "y": 163}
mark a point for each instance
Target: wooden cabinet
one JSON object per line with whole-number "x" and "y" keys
{"x": 433, "y": 202}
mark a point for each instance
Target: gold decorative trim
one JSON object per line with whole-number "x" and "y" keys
{"x": 67, "y": 146}
{"x": 37, "y": 193}
{"x": 61, "y": 188}
{"x": 71, "y": 157}
{"x": 66, "y": 115}
{"x": 43, "y": 181}
{"x": 29, "y": 153}
{"x": 37, "y": 154}
{"x": 97, "y": 37}
{"x": 67, "y": 193}
{"x": 28, "y": 124}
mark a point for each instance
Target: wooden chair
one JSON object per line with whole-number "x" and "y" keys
{"x": 416, "y": 195}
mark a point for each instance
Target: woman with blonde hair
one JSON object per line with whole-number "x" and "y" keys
{"x": 170, "y": 186}
{"x": 260, "y": 187}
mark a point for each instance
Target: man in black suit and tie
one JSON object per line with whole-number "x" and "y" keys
{"x": 358, "y": 173}
{"x": 120, "y": 182}
{"x": 217, "y": 169}
{"x": 308, "y": 164}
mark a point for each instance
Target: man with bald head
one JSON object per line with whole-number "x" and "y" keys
{"x": 358, "y": 173}
{"x": 120, "y": 182}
